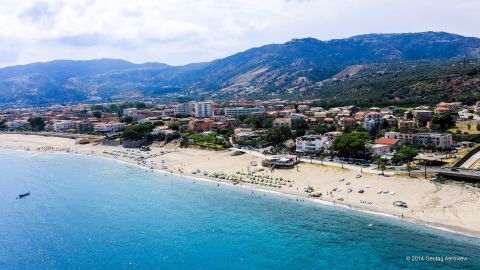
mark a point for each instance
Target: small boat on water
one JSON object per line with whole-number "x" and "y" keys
{"x": 23, "y": 195}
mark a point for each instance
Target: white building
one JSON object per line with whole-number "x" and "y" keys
{"x": 372, "y": 120}
{"x": 296, "y": 116}
{"x": 310, "y": 143}
{"x": 379, "y": 149}
{"x": 109, "y": 127}
{"x": 130, "y": 112}
{"x": 16, "y": 124}
{"x": 64, "y": 126}
{"x": 438, "y": 140}
{"x": 164, "y": 130}
{"x": 182, "y": 109}
{"x": 237, "y": 111}
{"x": 203, "y": 109}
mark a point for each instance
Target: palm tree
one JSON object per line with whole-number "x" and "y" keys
{"x": 409, "y": 169}
{"x": 383, "y": 169}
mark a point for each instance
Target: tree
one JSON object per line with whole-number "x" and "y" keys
{"x": 96, "y": 107}
{"x": 37, "y": 123}
{"x": 478, "y": 126}
{"x": 409, "y": 169}
{"x": 3, "y": 124}
{"x": 172, "y": 136}
{"x": 405, "y": 154}
{"x": 137, "y": 132}
{"x": 350, "y": 144}
{"x": 97, "y": 114}
{"x": 383, "y": 168}
{"x": 385, "y": 124}
{"x": 259, "y": 121}
{"x": 443, "y": 120}
{"x": 127, "y": 119}
{"x": 277, "y": 135}
{"x": 174, "y": 126}
{"x": 323, "y": 128}
{"x": 409, "y": 115}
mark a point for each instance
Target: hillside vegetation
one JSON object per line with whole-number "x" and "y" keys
{"x": 299, "y": 68}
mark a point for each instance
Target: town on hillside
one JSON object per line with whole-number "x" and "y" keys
{"x": 396, "y": 139}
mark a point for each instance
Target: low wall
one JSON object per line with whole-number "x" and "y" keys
{"x": 134, "y": 144}
{"x": 111, "y": 142}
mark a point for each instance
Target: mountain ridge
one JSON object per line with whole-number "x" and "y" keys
{"x": 270, "y": 70}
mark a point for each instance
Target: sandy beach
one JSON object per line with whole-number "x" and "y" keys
{"x": 450, "y": 206}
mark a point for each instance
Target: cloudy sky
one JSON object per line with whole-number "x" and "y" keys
{"x": 183, "y": 31}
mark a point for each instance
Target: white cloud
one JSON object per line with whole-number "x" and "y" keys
{"x": 183, "y": 31}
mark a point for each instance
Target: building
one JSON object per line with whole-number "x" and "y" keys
{"x": 393, "y": 143}
{"x": 64, "y": 126}
{"x": 310, "y": 143}
{"x": 282, "y": 122}
{"x": 244, "y": 134}
{"x": 16, "y": 124}
{"x": 406, "y": 124}
{"x": 377, "y": 150}
{"x": 182, "y": 109}
{"x": 108, "y": 127}
{"x": 333, "y": 134}
{"x": 348, "y": 123}
{"x": 237, "y": 111}
{"x": 280, "y": 162}
{"x": 372, "y": 120}
{"x": 391, "y": 120}
{"x": 303, "y": 107}
{"x": 422, "y": 117}
{"x": 130, "y": 112}
{"x": 84, "y": 126}
{"x": 203, "y": 109}
{"x": 199, "y": 125}
{"x": 437, "y": 140}
{"x": 167, "y": 113}
{"x": 162, "y": 130}
{"x": 296, "y": 116}
{"x": 451, "y": 107}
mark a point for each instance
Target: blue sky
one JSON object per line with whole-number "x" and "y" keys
{"x": 184, "y": 31}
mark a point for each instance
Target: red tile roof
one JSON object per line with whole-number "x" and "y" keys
{"x": 387, "y": 141}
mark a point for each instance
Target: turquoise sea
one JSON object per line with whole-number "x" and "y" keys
{"x": 92, "y": 213}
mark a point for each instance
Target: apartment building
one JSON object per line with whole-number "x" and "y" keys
{"x": 310, "y": 143}
{"x": 237, "y": 111}
{"x": 438, "y": 140}
{"x": 372, "y": 119}
{"x": 182, "y": 109}
{"x": 203, "y": 109}
{"x": 64, "y": 126}
{"x": 108, "y": 127}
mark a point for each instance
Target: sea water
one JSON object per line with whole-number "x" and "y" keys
{"x": 91, "y": 213}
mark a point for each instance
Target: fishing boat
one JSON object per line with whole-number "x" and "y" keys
{"x": 23, "y": 195}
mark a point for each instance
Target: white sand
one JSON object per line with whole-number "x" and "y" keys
{"x": 450, "y": 206}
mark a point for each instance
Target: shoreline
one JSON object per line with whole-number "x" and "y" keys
{"x": 370, "y": 210}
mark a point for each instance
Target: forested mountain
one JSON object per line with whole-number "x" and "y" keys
{"x": 378, "y": 65}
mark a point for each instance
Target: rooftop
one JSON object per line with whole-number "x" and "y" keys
{"x": 386, "y": 141}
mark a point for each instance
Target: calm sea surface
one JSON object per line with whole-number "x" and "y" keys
{"x": 91, "y": 213}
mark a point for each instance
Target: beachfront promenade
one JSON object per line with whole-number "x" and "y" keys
{"x": 370, "y": 169}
